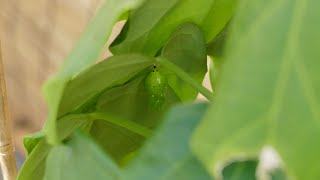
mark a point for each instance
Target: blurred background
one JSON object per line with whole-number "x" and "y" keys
{"x": 36, "y": 36}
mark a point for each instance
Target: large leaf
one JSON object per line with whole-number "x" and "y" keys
{"x": 34, "y": 166}
{"x": 38, "y": 149}
{"x": 130, "y": 101}
{"x": 269, "y": 92}
{"x": 81, "y": 93}
{"x": 150, "y": 25}
{"x": 83, "y": 55}
{"x": 79, "y": 159}
{"x": 127, "y": 102}
{"x": 167, "y": 155}
{"x": 186, "y": 48}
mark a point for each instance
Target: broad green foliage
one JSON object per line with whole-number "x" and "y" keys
{"x": 265, "y": 76}
{"x": 82, "y": 91}
{"x": 167, "y": 155}
{"x": 83, "y": 55}
{"x": 128, "y": 102}
{"x": 34, "y": 167}
{"x": 133, "y": 100}
{"x": 79, "y": 158}
{"x": 151, "y": 24}
{"x": 38, "y": 149}
{"x": 268, "y": 93}
{"x": 186, "y": 48}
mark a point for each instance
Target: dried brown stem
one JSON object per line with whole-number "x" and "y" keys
{"x": 7, "y": 155}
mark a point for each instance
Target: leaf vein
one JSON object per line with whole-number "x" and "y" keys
{"x": 308, "y": 89}
{"x": 287, "y": 58}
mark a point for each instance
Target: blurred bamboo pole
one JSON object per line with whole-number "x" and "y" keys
{"x": 7, "y": 155}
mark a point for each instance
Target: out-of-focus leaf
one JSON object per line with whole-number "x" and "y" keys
{"x": 31, "y": 141}
{"x": 216, "y": 47}
{"x": 213, "y": 74}
{"x": 83, "y": 55}
{"x": 167, "y": 155}
{"x": 38, "y": 149}
{"x": 269, "y": 91}
{"x": 81, "y": 93}
{"x": 151, "y": 24}
{"x": 128, "y": 102}
{"x": 186, "y": 48}
{"x": 131, "y": 102}
{"x": 34, "y": 166}
{"x": 215, "y": 52}
{"x": 79, "y": 159}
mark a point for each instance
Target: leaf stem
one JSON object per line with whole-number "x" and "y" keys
{"x": 130, "y": 125}
{"x": 185, "y": 77}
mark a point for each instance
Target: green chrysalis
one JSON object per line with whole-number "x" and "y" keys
{"x": 156, "y": 85}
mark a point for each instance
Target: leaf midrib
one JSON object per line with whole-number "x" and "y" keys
{"x": 287, "y": 58}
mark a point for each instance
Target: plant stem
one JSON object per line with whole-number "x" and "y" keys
{"x": 185, "y": 77}
{"x": 71, "y": 122}
{"x": 130, "y": 125}
{"x": 7, "y": 155}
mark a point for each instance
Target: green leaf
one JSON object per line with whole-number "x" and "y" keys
{"x": 269, "y": 91}
{"x": 213, "y": 74}
{"x": 132, "y": 99}
{"x": 34, "y": 166}
{"x": 151, "y": 24}
{"x": 83, "y": 55}
{"x": 167, "y": 155}
{"x": 240, "y": 170}
{"x": 130, "y": 102}
{"x": 215, "y": 49}
{"x": 81, "y": 93}
{"x": 127, "y": 124}
{"x": 31, "y": 141}
{"x": 186, "y": 48}
{"x": 185, "y": 77}
{"x": 79, "y": 159}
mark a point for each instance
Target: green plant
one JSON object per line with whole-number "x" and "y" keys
{"x": 265, "y": 76}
